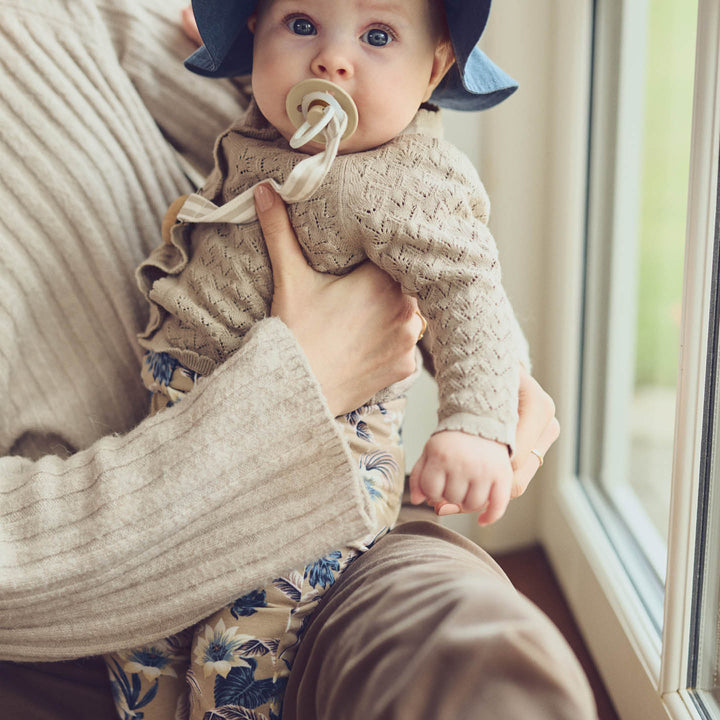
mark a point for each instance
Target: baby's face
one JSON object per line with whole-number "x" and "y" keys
{"x": 383, "y": 53}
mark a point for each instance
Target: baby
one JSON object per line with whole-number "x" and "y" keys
{"x": 396, "y": 194}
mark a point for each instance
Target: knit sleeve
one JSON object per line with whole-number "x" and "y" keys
{"x": 422, "y": 213}
{"x": 92, "y": 559}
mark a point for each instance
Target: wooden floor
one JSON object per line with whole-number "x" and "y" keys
{"x": 530, "y": 572}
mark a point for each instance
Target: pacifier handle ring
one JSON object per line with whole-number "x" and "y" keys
{"x": 320, "y": 96}
{"x": 332, "y": 109}
{"x": 306, "y": 132}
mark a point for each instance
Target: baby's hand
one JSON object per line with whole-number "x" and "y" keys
{"x": 466, "y": 470}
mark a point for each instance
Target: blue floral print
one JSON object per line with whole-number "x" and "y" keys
{"x": 151, "y": 660}
{"x": 377, "y": 470}
{"x": 258, "y": 647}
{"x": 372, "y": 491}
{"x": 234, "y": 712}
{"x": 289, "y": 588}
{"x": 361, "y": 427}
{"x": 363, "y": 431}
{"x": 126, "y": 691}
{"x": 321, "y": 571}
{"x": 248, "y": 604}
{"x": 241, "y": 688}
{"x": 380, "y": 462}
{"x": 240, "y": 660}
{"x": 217, "y": 649}
{"x": 162, "y": 366}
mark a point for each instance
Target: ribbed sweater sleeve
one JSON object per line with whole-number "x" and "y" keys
{"x": 190, "y": 110}
{"x": 116, "y": 530}
{"x": 142, "y": 534}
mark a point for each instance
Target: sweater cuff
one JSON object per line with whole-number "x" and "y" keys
{"x": 298, "y": 398}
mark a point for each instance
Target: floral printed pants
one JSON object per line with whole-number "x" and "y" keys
{"x": 234, "y": 665}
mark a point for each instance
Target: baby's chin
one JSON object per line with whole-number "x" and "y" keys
{"x": 351, "y": 145}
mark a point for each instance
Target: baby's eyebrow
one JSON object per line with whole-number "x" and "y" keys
{"x": 385, "y": 6}
{"x": 398, "y": 10}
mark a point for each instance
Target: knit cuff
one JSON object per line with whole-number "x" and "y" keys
{"x": 488, "y": 428}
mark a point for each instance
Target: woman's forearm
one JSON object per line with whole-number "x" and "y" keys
{"x": 141, "y": 535}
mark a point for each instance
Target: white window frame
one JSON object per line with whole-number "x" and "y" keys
{"x": 620, "y": 50}
{"x": 645, "y": 677}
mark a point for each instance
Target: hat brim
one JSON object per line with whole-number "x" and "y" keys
{"x": 482, "y": 86}
{"x": 466, "y": 21}
{"x": 473, "y": 83}
{"x": 227, "y": 41}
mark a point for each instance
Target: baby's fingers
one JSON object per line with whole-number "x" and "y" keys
{"x": 416, "y": 494}
{"x": 476, "y": 499}
{"x": 430, "y": 481}
{"x": 497, "y": 503}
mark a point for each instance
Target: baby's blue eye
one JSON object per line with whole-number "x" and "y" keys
{"x": 302, "y": 26}
{"x": 377, "y": 37}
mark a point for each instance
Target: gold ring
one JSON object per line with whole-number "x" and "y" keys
{"x": 539, "y": 457}
{"x": 424, "y": 326}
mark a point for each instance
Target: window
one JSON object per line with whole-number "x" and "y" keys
{"x": 644, "y": 56}
{"x": 633, "y": 528}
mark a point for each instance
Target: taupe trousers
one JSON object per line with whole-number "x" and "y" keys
{"x": 424, "y": 626}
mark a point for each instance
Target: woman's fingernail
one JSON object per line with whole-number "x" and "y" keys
{"x": 263, "y": 198}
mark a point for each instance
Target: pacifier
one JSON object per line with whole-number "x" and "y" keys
{"x": 312, "y": 104}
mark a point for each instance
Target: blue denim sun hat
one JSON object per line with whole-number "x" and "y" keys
{"x": 473, "y": 83}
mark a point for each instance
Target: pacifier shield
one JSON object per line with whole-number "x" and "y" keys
{"x": 294, "y": 100}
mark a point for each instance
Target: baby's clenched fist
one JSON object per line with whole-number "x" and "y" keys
{"x": 466, "y": 470}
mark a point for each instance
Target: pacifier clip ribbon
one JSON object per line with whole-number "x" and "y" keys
{"x": 322, "y": 112}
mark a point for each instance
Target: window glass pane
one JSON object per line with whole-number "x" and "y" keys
{"x": 639, "y": 169}
{"x": 663, "y": 199}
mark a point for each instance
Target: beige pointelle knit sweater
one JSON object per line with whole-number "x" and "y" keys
{"x": 92, "y": 95}
{"x": 414, "y": 206}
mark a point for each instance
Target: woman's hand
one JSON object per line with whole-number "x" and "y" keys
{"x": 189, "y": 25}
{"x": 358, "y": 331}
{"x": 537, "y": 430}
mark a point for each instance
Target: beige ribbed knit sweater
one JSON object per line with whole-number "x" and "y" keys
{"x": 139, "y": 532}
{"x": 414, "y": 206}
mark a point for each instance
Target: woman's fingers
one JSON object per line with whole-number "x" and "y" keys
{"x": 500, "y": 496}
{"x": 416, "y": 494}
{"x": 286, "y": 257}
{"x": 525, "y": 473}
{"x": 536, "y": 411}
{"x": 282, "y": 245}
{"x": 189, "y": 25}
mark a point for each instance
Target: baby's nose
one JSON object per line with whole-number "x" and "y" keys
{"x": 332, "y": 63}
